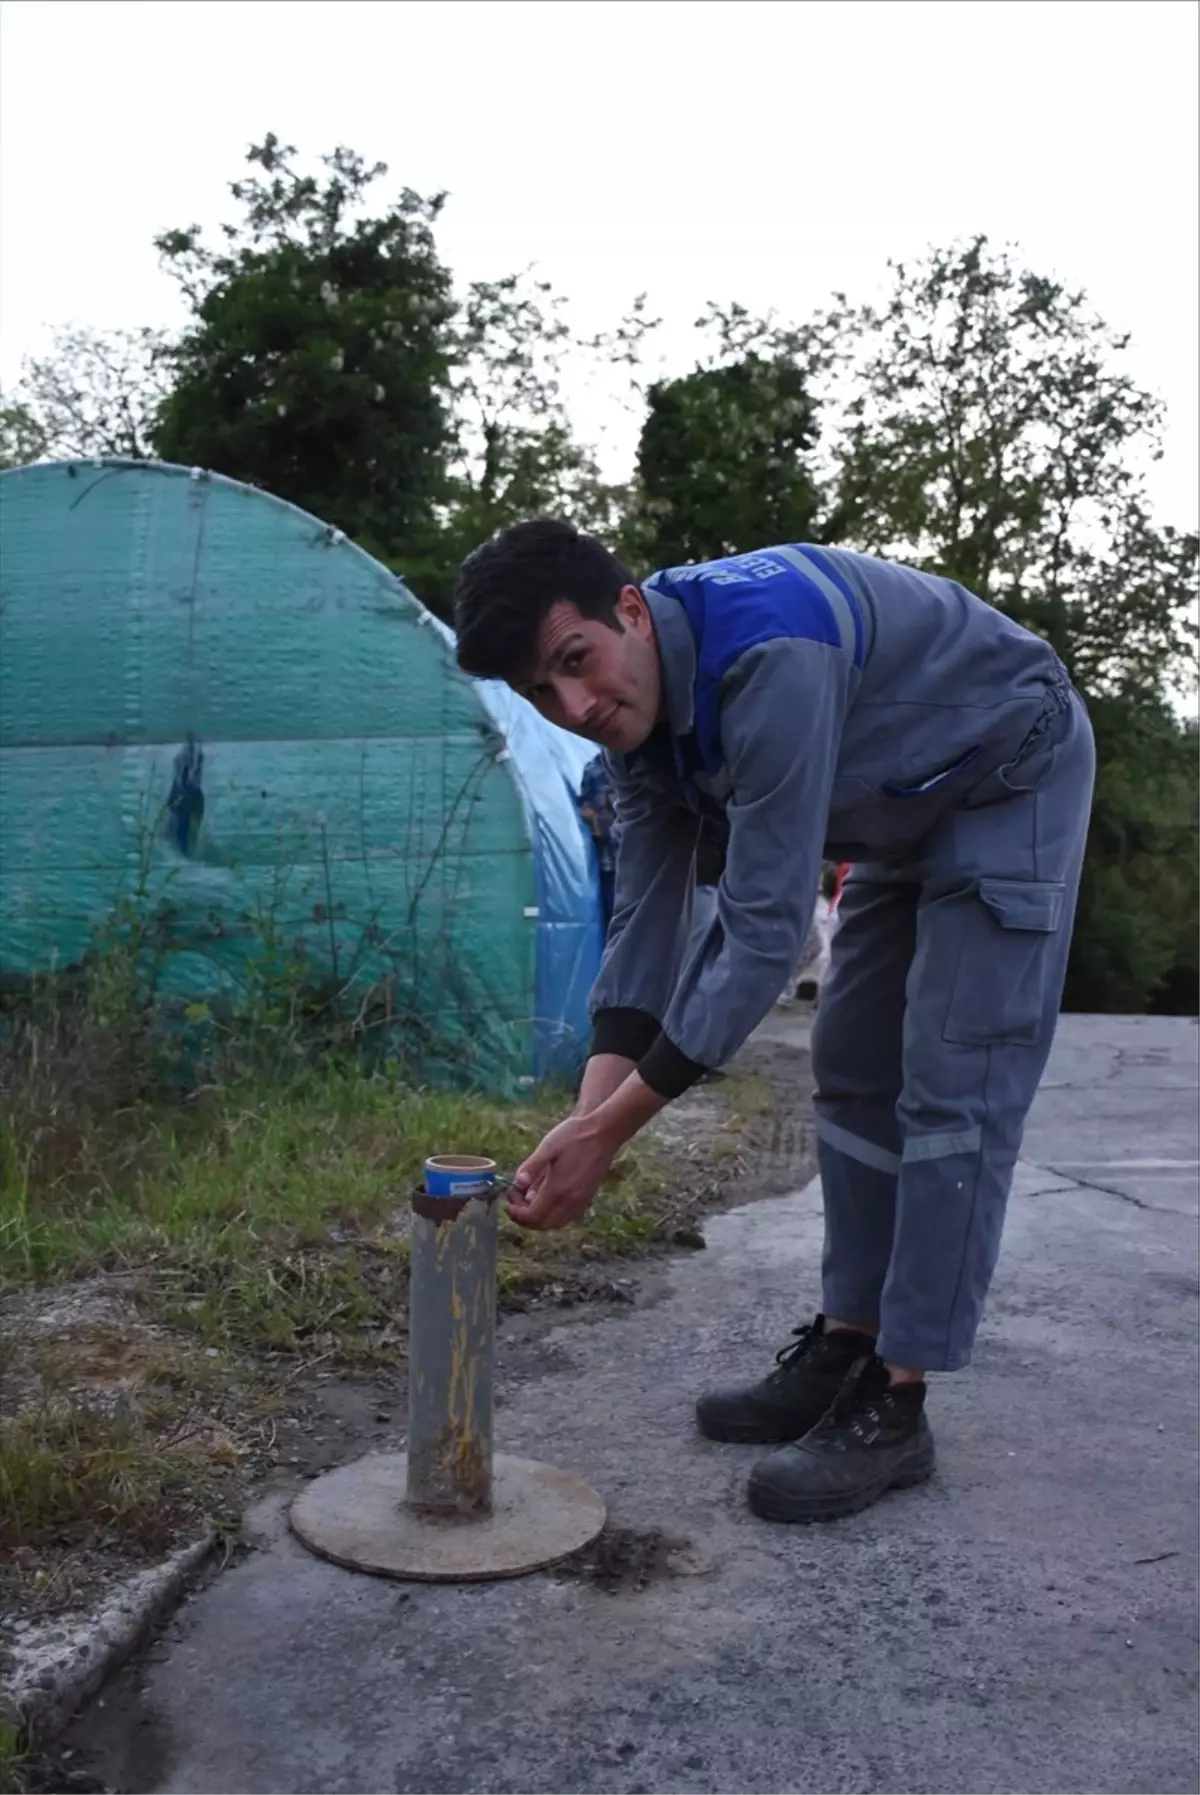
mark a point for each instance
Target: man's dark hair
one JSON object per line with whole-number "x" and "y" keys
{"x": 508, "y": 585}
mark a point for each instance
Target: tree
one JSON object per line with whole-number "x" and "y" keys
{"x": 1136, "y": 931}
{"x": 22, "y": 438}
{"x": 1130, "y": 626}
{"x": 725, "y": 459}
{"x": 721, "y": 462}
{"x": 317, "y": 362}
{"x": 512, "y": 450}
{"x": 96, "y": 393}
{"x": 992, "y": 435}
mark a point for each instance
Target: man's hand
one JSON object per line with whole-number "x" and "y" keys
{"x": 558, "y": 1181}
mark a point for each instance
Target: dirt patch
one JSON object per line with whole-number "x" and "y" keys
{"x": 626, "y": 1560}
{"x": 747, "y": 1136}
{"x": 120, "y": 1442}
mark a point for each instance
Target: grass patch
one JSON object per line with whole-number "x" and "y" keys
{"x": 748, "y": 1098}
{"x": 70, "y": 1471}
{"x": 88, "y": 1486}
{"x": 14, "y": 1759}
{"x": 275, "y": 1218}
{"x": 240, "y": 1167}
{"x": 258, "y": 1195}
{"x": 117, "y": 1444}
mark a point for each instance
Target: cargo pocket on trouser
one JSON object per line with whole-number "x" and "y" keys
{"x": 1007, "y": 962}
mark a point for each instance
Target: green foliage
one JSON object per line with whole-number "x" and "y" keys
{"x": 14, "y": 1751}
{"x": 512, "y": 451}
{"x": 318, "y": 356}
{"x": 79, "y": 1471}
{"x": 329, "y": 362}
{"x": 724, "y": 461}
{"x": 23, "y": 438}
{"x": 721, "y": 462}
{"x": 1137, "y": 935}
{"x": 1130, "y": 628}
{"x": 993, "y": 436}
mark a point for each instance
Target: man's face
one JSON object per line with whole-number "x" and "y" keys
{"x": 603, "y": 684}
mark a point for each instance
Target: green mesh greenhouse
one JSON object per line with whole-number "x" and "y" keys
{"x": 216, "y": 710}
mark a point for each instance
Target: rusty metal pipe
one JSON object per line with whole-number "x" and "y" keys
{"x": 452, "y": 1353}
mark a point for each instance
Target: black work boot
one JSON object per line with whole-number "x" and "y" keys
{"x": 792, "y": 1398}
{"x": 874, "y": 1438}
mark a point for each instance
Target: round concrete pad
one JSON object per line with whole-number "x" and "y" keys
{"x": 357, "y": 1517}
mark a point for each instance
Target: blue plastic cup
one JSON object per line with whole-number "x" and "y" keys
{"x": 459, "y": 1175}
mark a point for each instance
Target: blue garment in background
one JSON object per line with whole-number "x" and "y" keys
{"x": 596, "y": 797}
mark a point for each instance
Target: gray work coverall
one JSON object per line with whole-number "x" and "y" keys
{"x": 914, "y": 730}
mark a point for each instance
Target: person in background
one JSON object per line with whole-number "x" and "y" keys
{"x": 805, "y": 985}
{"x": 598, "y": 810}
{"x": 710, "y": 864}
{"x": 597, "y": 807}
{"x": 711, "y": 847}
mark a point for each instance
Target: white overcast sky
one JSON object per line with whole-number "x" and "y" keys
{"x": 693, "y": 148}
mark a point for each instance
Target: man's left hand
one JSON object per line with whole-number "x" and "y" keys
{"x": 557, "y": 1182}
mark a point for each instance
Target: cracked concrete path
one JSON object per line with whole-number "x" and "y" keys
{"x": 1025, "y": 1623}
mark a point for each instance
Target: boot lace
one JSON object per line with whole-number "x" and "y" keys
{"x": 803, "y": 1338}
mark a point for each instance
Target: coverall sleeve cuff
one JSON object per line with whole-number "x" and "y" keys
{"x": 631, "y": 1033}
{"x": 668, "y": 1071}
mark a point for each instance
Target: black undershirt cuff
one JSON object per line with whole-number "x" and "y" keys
{"x": 668, "y": 1071}
{"x": 631, "y": 1033}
